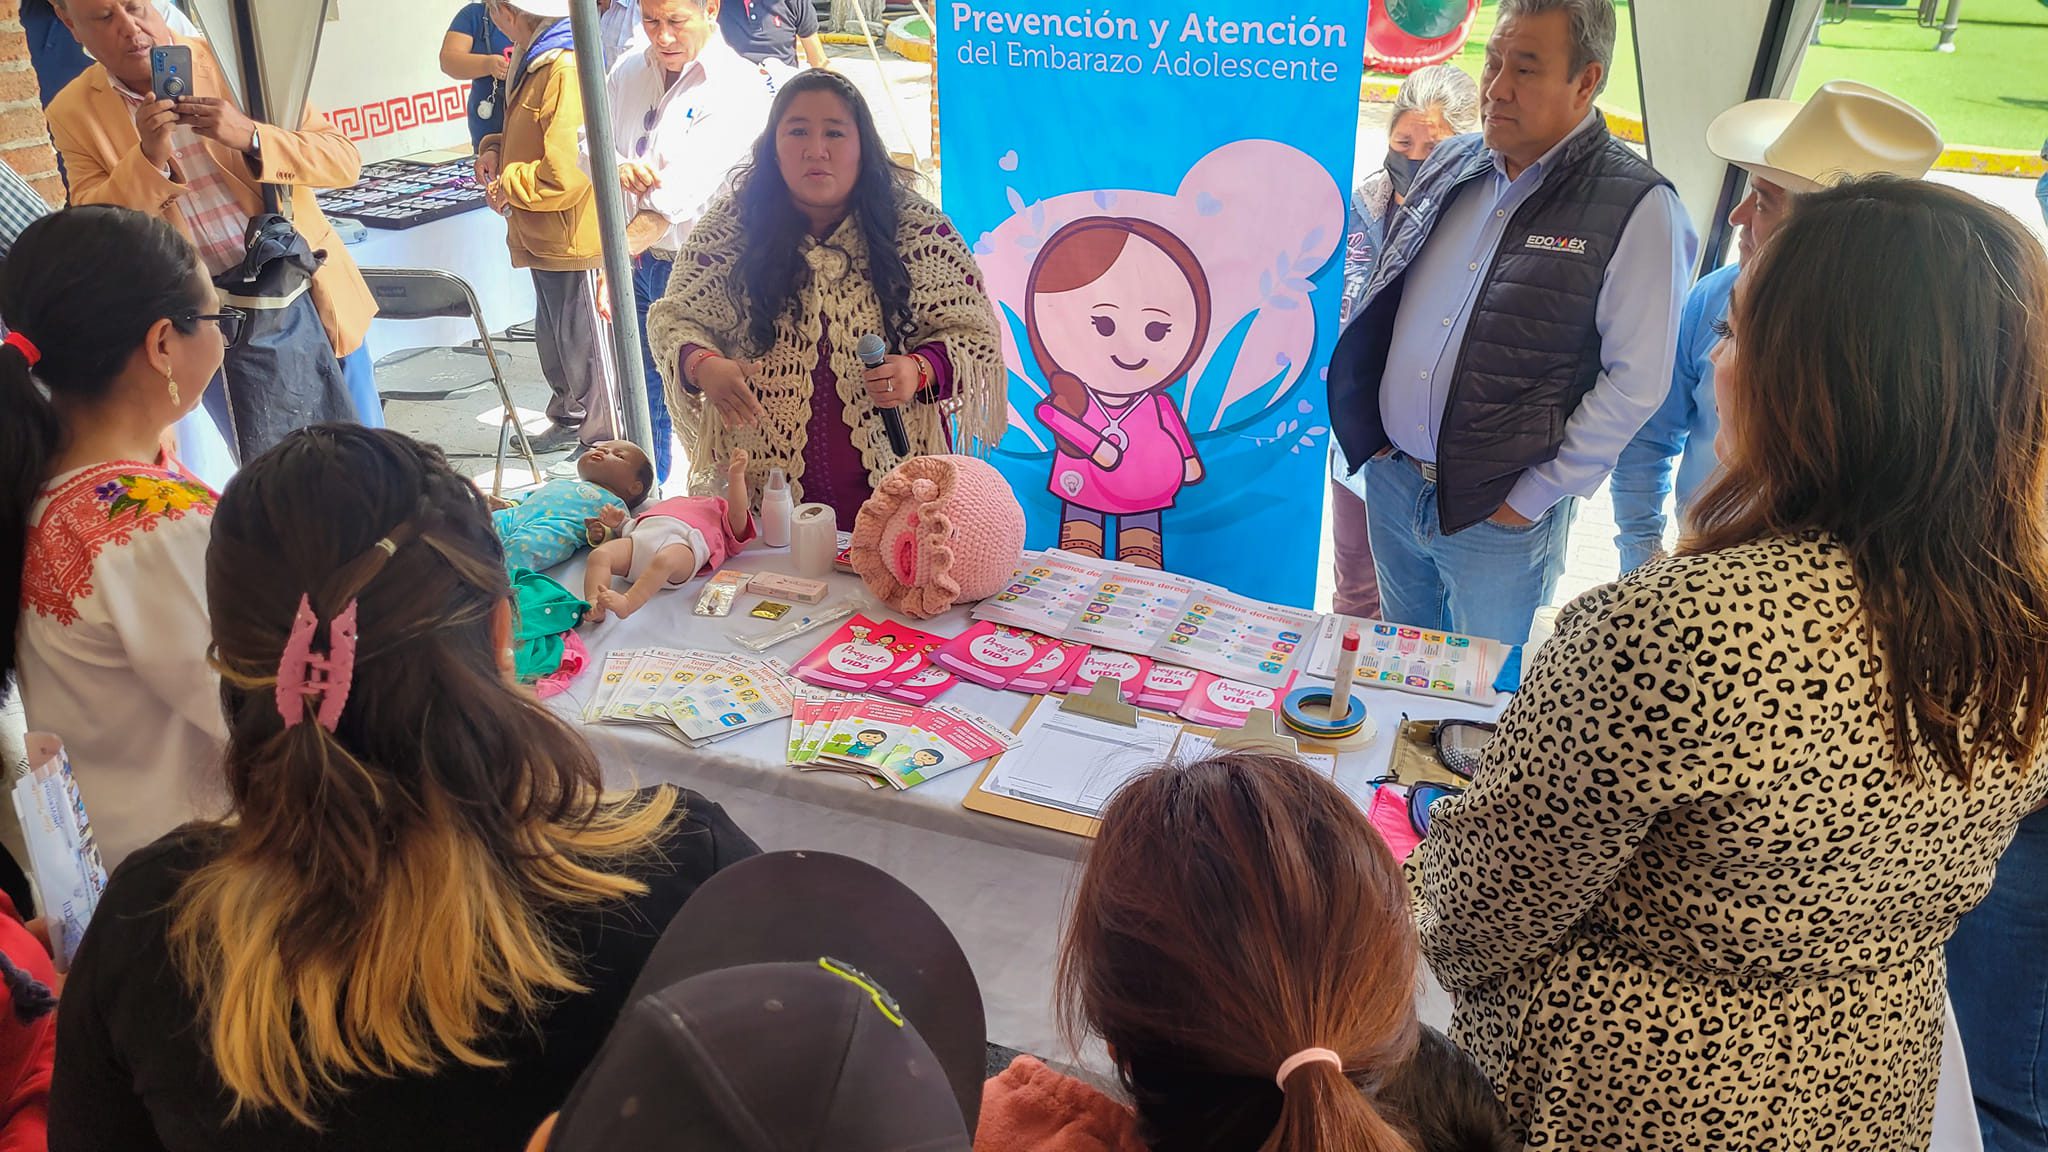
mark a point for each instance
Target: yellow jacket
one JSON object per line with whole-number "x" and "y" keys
{"x": 553, "y": 225}
{"x": 95, "y": 131}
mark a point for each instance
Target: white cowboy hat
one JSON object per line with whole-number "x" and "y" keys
{"x": 1845, "y": 129}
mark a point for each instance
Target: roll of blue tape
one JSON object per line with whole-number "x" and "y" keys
{"x": 1295, "y": 711}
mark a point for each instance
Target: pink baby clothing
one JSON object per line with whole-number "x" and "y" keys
{"x": 1149, "y": 474}
{"x": 706, "y": 514}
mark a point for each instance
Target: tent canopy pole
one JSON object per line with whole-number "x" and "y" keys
{"x": 635, "y": 424}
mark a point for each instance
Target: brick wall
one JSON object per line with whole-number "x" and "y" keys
{"x": 24, "y": 137}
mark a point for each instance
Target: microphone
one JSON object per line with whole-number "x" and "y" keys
{"x": 872, "y": 351}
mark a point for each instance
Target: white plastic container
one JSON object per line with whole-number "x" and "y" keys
{"x": 776, "y": 504}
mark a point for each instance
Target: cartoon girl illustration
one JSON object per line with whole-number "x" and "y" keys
{"x": 1117, "y": 310}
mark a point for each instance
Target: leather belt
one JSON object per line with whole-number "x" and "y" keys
{"x": 667, "y": 254}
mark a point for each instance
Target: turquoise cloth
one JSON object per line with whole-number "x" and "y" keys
{"x": 542, "y": 612}
{"x": 546, "y": 527}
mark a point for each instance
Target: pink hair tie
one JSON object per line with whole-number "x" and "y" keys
{"x": 303, "y": 676}
{"x": 1305, "y": 1056}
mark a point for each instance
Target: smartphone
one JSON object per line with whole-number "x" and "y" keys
{"x": 170, "y": 71}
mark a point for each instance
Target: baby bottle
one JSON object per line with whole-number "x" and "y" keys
{"x": 776, "y": 504}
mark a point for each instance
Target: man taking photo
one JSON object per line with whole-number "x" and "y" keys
{"x": 200, "y": 163}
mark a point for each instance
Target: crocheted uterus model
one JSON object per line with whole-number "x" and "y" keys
{"x": 938, "y": 531}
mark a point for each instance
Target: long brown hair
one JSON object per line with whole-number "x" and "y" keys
{"x": 1232, "y": 913}
{"x": 1889, "y": 387}
{"x": 1077, "y": 255}
{"x": 379, "y": 904}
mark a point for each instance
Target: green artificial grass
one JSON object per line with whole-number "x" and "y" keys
{"x": 1991, "y": 92}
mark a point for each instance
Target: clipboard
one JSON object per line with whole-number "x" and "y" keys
{"x": 1104, "y": 703}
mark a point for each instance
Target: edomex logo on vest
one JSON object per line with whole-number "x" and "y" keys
{"x": 1573, "y": 244}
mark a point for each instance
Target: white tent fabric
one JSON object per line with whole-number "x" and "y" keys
{"x": 287, "y": 40}
{"x": 1696, "y": 60}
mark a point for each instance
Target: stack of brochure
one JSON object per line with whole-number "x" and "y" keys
{"x": 692, "y": 696}
{"x": 889, "y": 742}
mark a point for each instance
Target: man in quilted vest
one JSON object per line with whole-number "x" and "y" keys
{"x": 1518, "y": 331}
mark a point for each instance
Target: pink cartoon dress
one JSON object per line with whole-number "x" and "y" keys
{"x": 1152, "y": 466}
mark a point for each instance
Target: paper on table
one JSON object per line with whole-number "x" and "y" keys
{"x": 1195, "y": 746}
{"x": 1043, "y": 595}
{"x": 940, "y": 740}
{"x": 991, "y": 654}
{"x": 913, "y": 650}
{"x": 643, "y": 680}
{"x": 1100, "y": 664}
{"x": 1076, "y": 763}
{"x": 1165, "y": 688}
{"x": 1153, "y": 614}
{"x": 1424, "y": 661}
{"x": 1051, "y": 670}
{"x": 1233, "y": 636}
{"x": 855, "y": 658}
{"x": 614, "y": 674}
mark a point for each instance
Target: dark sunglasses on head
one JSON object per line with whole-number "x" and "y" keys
{"x": 231, "y": 321}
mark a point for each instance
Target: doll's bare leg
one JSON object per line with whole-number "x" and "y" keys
{"x": 610, "y": 559}
{"x": 670, "y": 562}
{"x": 738, "y": 508}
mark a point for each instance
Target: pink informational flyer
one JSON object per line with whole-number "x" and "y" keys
{"x": 913, "y": 649}
{"x": 922, "y": 686}
{"x": 1165, "y": 688}
{"x": 1220, "y": 703}
{"x": 991, "y": 654}
{"x": 1102, "y": 664}
{"x": 1051, "y": 670}
{"x": 854, "y": 658}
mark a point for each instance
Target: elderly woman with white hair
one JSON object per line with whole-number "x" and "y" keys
{"x": 1433, "y": 105}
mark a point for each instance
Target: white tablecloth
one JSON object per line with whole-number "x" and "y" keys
{"x": 1001, "y": 885}
{"x": 472, "y": 246}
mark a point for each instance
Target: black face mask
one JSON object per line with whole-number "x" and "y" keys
{"x": 1401, "y": 173}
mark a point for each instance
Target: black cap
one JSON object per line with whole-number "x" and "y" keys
{"x": 764, "y": 1058}
{"x": 768, "y": 1018}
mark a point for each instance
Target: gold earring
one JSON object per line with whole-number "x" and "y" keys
{"x": 173, "y": 386}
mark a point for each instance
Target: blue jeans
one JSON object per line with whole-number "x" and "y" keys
{"x": 360, "y": 372}
{"x": 2041, "y": 194}
{"x": 650, "y": 283}
{"x": 1998, "y": 986}
{"x": 1487, "y": 580}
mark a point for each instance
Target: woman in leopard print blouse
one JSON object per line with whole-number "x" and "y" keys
{"x": 1698, "y": 892}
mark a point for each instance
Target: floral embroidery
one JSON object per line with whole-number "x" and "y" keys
{"x": 155, "y": 495}
{"x": 105, "y": 504}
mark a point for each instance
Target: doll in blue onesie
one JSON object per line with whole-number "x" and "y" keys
{"x": 548, "y": 525}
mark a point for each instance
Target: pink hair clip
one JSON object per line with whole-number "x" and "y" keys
{"x": 301, "y": 675}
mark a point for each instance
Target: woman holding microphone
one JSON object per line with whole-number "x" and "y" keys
{"x": 822, "y": 242}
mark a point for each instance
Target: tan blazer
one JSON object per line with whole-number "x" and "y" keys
{"x": 94, "y": 128}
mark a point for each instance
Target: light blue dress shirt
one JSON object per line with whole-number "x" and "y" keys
{"x": 1683, "y": 428}
{"x": 1636, "y": 314}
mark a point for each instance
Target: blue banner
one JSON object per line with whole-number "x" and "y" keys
{"x": 1156, "y": 192}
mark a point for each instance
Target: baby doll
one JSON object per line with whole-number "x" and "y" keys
{"x": 548, "y": 525}
{"x": 668, "y": 544}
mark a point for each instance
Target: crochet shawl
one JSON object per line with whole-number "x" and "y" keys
{"x": 949, "y": 304}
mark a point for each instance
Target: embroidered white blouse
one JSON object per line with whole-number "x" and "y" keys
{"x": 113, "y": 646}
